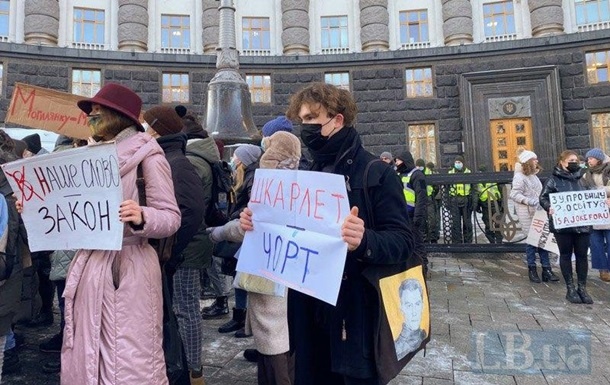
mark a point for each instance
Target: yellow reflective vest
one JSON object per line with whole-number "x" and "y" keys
{"x": 459, "y": 189}
{"x": 488, "y": 190}
{"x": 408, "y": 191}
{"x": 429, "y": 188}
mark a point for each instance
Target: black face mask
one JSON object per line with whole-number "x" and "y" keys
{"x": 573, "y": 166}
{"x": 312, "y": 135}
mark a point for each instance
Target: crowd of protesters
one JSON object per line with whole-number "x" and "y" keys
{"x": 167, "y": 166}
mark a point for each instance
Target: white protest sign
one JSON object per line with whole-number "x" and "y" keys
{"x": 296, "y": 240}
{"x": 579, "y": 208}
{"x": 70, "y": 198}
{"x": 539, "y": 234}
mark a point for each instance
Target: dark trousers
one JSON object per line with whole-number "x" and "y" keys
{"x": 277, "y": 369}
{"x": 489, "y": 209}
{"x": 433, "y": 221}
{"x": 41, "y": 262}
{"x": 60, "y": 286}
{"x": 461, "y": 219}
{"x": 576, "y": 243}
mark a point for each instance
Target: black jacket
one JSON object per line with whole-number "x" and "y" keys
{"x": 562, "y": 181}
{"x": 187, "y": 188}
{"x": 417, "y": 181}
{"x": 356, "y": 311}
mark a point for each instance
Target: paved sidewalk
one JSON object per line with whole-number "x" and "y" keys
{"x": 485, "y": 296}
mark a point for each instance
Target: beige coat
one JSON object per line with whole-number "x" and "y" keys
{"x": 525, "y": 192}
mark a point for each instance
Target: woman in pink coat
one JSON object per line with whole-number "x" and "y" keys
{"x": 114, "y": 309}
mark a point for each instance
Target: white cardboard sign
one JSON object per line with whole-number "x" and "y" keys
{"x": 579, "y": 208}
{"x": 70, "y": 198}
{"x": 296, "y": 240}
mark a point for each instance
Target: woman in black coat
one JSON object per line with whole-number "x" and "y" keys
{"x": 567, "y": 176}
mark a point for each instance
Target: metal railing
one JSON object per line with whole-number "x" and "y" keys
{"x": 504, "y": 233}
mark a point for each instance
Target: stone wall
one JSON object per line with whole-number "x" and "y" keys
{"x": 377, "y": 82}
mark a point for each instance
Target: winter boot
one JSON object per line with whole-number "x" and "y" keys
{"x": 237, "y": 322}
{"x": 533, "y": 274}
{"x": 548, "y": 275}
{"x": 219, "y": 308}
{"x": 571, "y": 295}
{"x": 196, "y": 377}
{"x": 251, "y": 355}
{"x": 582, "y": 293}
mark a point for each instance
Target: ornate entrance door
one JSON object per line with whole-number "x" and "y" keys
{"x": 507, "y": 136}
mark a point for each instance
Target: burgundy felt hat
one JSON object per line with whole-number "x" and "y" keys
{"x": 118, "y": 98}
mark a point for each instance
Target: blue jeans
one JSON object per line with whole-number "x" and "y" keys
{"x": 530, "y": 253}
{"x": 600, "y": 249}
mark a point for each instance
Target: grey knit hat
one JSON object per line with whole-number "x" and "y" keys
{"x": 596, "y": 153}
{"x": 248, "y": 153}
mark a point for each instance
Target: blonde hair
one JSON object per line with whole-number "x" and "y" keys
{"x": 240, "y": 174}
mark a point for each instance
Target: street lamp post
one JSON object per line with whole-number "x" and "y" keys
{"x": 229, "y": 107}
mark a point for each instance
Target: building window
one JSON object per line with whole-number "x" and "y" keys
{"x": 598, "y": 66}
{"x": 592, "y": 14}
{"x": 422, "y": 141}
{"x": 5, "y": 6}
{"x": 601, "y": 131}
{"x": 260, "y": 88}
{"x": 175, "y": 88}
{"x": 419, "y": 82}
{"x": 334, "y": 34}
{"x": 86, "y": 82}
{"x": 499, "y": 21}
{"x": 339, "y": 79}
{"x": 414, "y": 29}
{"x": 175, "y": 33}
{"x": 255, "y": 36}
{"x": 89, "y": 28}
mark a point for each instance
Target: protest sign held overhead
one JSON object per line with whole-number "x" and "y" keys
{"x": 70, "y": 198}
{"x": 47, "y": 109}
{"x": 579, "y": 208}
{"x": 296, "y": 240}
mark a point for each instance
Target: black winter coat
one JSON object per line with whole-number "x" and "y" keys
{"x": 562, "y": 181}
{"x": 187, "y": 188}
{"x": 351, "y": 324}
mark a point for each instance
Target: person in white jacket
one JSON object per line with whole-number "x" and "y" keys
{"x": 525, "y": 192}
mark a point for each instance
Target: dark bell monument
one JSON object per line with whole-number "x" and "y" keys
{"x": 229, "y": 107}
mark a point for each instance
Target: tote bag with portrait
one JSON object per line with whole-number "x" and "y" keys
{"x": 404, "y": 308}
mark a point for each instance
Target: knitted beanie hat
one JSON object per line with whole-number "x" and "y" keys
{"x": 386, "y": 154}
{"x": 281, "y": 123}
{"x": 164, "y": 120}
{"x": 248, "y": 153}
{"x": 526, "y": 155}
{"x": 459, "y": 158}
{"x": 596, "y": 153}
{"x": 33, "y": 143}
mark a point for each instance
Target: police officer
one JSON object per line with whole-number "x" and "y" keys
{"x": 489, "y": 204}
{"x": 460, "y": 205}
{"x": 433, "y": 223}
{"x": 414, "y": 188}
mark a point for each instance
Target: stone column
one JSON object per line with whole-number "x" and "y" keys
{"x": 546, "y": 17}
{"x": 41, "y": 25}
{"x": 133, "y": 25}
{"x": 295, "y": 27}
{"x": 211, "y": 19}
{"x": 374, "y": 21}
{"x": 457, "y": 22}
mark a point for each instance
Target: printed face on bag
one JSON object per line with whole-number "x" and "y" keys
{"x": 411, "y": 303}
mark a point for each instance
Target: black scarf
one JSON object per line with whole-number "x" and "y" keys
{"x": 335, "y": 146}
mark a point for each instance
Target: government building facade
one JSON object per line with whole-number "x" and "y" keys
{"x": 440, "y": 77}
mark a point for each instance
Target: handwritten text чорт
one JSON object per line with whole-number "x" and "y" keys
{"x": 294, "y": 198}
